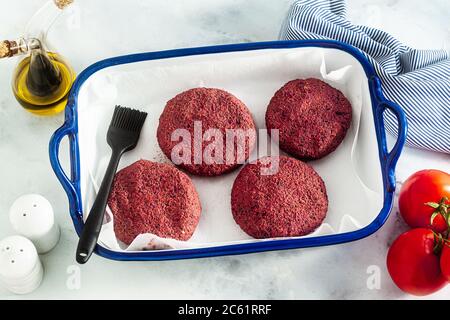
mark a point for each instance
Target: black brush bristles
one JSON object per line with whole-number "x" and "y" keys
{"x": 128, "y": 119}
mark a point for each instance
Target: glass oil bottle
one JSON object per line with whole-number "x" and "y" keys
{"x": 42, "y": 78}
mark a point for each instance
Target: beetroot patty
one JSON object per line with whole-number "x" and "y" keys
{"x": 215, "y": 109}
{"x": 291, "y": 202}
{"x": 149, "y": 197}
{"x": 313, "y": 118}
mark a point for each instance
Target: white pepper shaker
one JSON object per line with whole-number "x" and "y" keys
{"x": 21, "y": 270}
{"x": 32, "y": 216}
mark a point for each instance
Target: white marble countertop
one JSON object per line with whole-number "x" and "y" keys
{"x": 336, "y": 272}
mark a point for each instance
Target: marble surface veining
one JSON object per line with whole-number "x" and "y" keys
{"x": 336, "y": 272}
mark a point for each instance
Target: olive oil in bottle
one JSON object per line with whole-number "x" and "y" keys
{"x": 42, "y": 81}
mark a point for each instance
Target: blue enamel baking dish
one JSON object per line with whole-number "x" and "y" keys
{"x": 387, "y": 159}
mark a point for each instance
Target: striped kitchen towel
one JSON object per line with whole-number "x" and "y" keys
{"x": 417, "y": 80}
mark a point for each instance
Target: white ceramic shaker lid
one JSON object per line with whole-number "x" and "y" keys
{"x": 32, "y": 216}
{"x": 20, "y": 268}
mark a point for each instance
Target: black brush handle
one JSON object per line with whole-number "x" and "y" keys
{"x": 93, "y": 225}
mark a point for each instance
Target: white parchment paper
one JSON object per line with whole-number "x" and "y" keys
{"x": 352, "y": 173}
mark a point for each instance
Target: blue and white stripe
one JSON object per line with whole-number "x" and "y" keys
{"x": 417, "y": 80}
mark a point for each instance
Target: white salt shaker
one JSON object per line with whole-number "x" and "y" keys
{"x": 21, "y": 270}
{"x": 32, "y": 216}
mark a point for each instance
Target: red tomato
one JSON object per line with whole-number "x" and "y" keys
{"x": 421, "y": 188}
{"x": 445, "y": 261}
{"x": 413, "y": 265}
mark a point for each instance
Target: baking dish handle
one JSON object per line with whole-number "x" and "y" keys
{"x": 391, "y": 157}
{"x": 70, "y": 185}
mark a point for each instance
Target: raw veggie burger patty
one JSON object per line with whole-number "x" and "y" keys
{"x": 291, "y": 202}
{"x": 149, "y": 197}
{"x": 313, "y": 118}
{"x": 216, "y": 109}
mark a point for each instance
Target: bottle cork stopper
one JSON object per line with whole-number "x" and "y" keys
{"x": 62, "y": 3}
{"x": 7, "y": 48}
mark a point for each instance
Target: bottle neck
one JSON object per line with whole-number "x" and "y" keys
{"x": 43, "y": 19}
